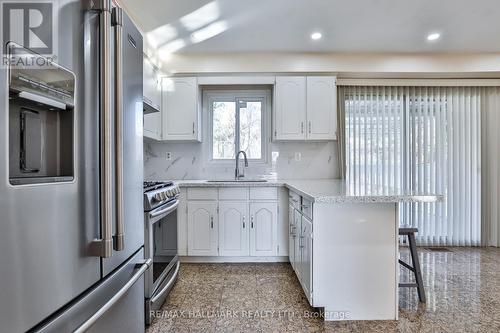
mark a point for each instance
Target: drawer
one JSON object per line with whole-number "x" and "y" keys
{"x": 201, "y": 193}
{"x": 233, "y": 193}
{"x": 294, "y": 200}
{"x": 307, "y": 208}
{"x": 263, "y": 193}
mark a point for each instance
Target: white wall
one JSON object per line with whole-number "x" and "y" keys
{"x": 344, "y": 64}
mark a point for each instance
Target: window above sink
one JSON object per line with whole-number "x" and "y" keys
{"x": 237, "y": 120}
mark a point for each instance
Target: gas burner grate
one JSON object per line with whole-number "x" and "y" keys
{"x": 148, "y": 186}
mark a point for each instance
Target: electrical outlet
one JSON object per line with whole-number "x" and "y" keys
{"x": 168, "y": 156}
{"x": 298, "y": 157}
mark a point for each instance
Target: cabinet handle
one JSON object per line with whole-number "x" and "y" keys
{"x": 251, "y": 222}
{"x": 193, "y": 127}
{"x": 243, "y": 222}
{"x": 309, "y": 127}
{"x": 211, "y": 222}
{"x": 301, "y": 243}
{"x": 302, "y": 127}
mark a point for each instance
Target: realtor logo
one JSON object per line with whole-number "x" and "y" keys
{"x": 29, "y": 24}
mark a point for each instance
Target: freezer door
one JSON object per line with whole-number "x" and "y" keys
{"x": 114, "y": 305}
{"x": 45, "y": 229}
{"x": 131, "y": 134}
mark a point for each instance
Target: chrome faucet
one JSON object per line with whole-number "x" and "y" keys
{"x": 237, "y": 174}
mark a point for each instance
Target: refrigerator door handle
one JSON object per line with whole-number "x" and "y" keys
{"x": 103, "y": 247}
{"x": 119, "y": 238}
{"x": 113, "y": 300}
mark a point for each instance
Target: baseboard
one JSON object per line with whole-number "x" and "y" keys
{"x": 198, "y": 259}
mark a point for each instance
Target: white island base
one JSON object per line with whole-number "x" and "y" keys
{"x": 355, "y": 253}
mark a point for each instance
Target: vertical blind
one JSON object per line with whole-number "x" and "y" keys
{"x": 490, "y": 118}
{"x": 419, "y": 139}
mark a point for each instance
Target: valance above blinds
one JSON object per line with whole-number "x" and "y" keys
{"x": 419, "y": 139}
{"x": 419, "y": 82}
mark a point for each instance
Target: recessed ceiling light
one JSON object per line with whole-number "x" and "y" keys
{"x": 433, "y": 36}
{"x": 316, "y": 35}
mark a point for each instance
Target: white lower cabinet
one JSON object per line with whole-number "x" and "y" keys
{"x": 296, "y": 259}
{"x": 301, "y": 242}
{"x": 231, "y": 225}
{"x": 291, "y": 235}
{"x": 263, "y": 228}
{"x": 306, "y": 247}
{"x": 202, "y": 228}
{"x": 182, "y": 224}
{"x": 233, "y": 228}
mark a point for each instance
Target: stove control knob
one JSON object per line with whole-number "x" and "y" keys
{"x": 170, "y": 192}
{"x": 177, "y": 190}
{"x": 157, "y": 197}
{"x": 164, "y": 195}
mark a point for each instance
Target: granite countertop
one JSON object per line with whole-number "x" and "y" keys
{"x": 325, "y": 190}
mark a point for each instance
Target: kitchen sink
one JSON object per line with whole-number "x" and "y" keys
{"x": 238, "y": 181}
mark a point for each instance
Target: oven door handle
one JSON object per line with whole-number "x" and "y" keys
{"x": 165, "y": 211}
{"x": 159, "y": 294}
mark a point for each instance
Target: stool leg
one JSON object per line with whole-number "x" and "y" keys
{"x": 416, "y": 266}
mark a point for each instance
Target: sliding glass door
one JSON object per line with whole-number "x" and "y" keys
{"x": 418, "y": 139}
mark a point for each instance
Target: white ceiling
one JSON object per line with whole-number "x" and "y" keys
{"x": 347, "y": 25}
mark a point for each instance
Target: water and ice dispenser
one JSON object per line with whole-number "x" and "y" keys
{"x": 41, "y": 119}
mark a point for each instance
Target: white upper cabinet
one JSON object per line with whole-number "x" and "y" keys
{"x": 152, "y": 100}
{"x": 233, "y": 228}
{"x": 305, "y": 108}
{"x": 202, "y": 228}
{"x": 321, "y": 108}
{"x": 181, "y": 114}
{"x": 290, "y": 108}
{"x": 263, "y": 228}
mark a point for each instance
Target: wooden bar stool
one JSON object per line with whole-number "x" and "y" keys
{"x": 415, "y": 267}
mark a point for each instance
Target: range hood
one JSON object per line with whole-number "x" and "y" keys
{"x": 148, "y": 106}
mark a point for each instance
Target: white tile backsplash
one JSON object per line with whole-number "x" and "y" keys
{"x": 319, "y": 160}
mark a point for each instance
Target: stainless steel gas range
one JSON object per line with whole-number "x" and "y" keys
{"x": 160, "y": 217}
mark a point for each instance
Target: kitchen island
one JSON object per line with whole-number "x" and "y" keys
{"x": 342, "y": 243}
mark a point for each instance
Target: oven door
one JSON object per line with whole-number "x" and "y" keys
{"x": 161, "y": 244}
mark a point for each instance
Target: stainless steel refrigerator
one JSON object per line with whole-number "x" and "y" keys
{"x": 71, "y": 166}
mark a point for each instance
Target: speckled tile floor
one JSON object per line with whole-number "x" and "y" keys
{"x": 462, "y": 286}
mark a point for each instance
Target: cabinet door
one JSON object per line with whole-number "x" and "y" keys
{"x": 182, "y": 224}
{"x": 321, "y": 108}
{"x": 148, "y": 80}
{"x": 297, "y": 264}
{"x": 263, "y": 229}
{"x": 202, "y": 228}
{"x": 290, "y": 108}
{"x": 306, "y": 256}
{"x": 233, "y": 228}
{"x": 180, "y": 109}
{"x": 152, "y": 125}
{"x": 292, "y": 235}
{"x": 151, "y": 93}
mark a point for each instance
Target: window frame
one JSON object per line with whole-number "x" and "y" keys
{"x": 263, "y": 95}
